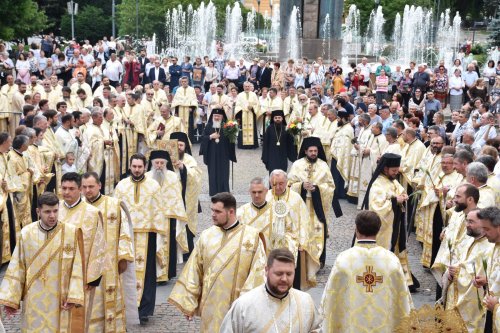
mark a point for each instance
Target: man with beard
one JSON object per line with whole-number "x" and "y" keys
{"x": 189, "y": 173}
{"x": 300, "y": 110}
{"x": 113, "y": 297}
{"x": 366, "y": 275}
{"x": 185, "y": 104}
{"x": 52, "y": 143}
{"x": 490, "y": 222}
{"x": 141, "y": 195}
{"x": 217, "y": 151}
{"x": 310, "y": 177}
{"x": 461, "y": 160}
{"x": 425, "y": 180}
{"x": 453, "y": 236}
{"x": 278, "y": 145}
{"x": 341, "y": 158}
{"x": 468, "y": 251}
{"x": 161, "y": 170}
{"x": 104, "y": 157}
{"x": 275, "y": 303}
{"x": 104, "y": 83}
{"x": 150, "y": 107}
{"x": 246, "y": 110}
{"x": 220, "y": 101}
{"x": 434, "y": 205}
{"x": 386, "y": 197}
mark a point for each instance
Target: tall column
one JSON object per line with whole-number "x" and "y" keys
{"x": 286, "y": 7}
{"x": 311, "y": 19}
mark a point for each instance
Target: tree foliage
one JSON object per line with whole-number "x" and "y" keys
{"x": 91, "y": 23}
{"x": 495, "y": 28}
{"x": 20, "y": 18}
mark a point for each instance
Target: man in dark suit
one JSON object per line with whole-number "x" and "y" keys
{"x": 143, "y": 60}
{"x": 264, "y": 75}
{"x": 157, "y": 73}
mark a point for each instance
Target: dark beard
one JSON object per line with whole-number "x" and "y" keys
{"x": 137, "y": 178}
{"x": 181, "y": 155}
{"x": 312, "y": 160}
{"x": 460, "y": 207}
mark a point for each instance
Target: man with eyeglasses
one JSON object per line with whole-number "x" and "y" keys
{"x": 50, "y": 95}
{"x": 432, "y": 106}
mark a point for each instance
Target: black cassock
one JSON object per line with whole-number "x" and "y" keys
{"x": 276, "y": 156}
{"x": 255, "y": 144}
{"x": 216, "y": 157}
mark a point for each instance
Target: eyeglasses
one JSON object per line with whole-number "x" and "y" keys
{"x": 150, "y": 94}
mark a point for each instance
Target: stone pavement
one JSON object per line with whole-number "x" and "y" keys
{"x": 168, "y": 319}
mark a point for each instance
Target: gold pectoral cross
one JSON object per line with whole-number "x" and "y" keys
{"x": 247, "y": 245}
{"x": 369, "y": 279}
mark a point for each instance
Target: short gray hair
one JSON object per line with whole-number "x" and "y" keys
{"x": 479, "y": 171}
{"x": 365, "y": 117}
{"x": 38, "y": 118}
{"x": 257, "y": 181}
{"x": 391, "y": 131}
{"x": 29, "y": 132}
{"x": 491, "y": 214}
{"x": 278, "y": 172}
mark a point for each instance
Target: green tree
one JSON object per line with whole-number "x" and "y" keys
{"x": 20, "y": 18}
{"x": 495, "y": 29}
{"x": 90, "y": 23}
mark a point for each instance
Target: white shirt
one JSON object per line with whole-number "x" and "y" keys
{"x": 365, "y": 71}
{"x": 113, "y": 70}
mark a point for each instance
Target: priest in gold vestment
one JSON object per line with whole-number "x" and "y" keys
{"x": 227, "y": 261}
{"x": 246, "y": 110}
{"x": 141, "y": 195}
{"x": 310, "y": 176}
{"x": 115, "y": 300}
{"x": 54, "y": 163}
{"x": 21, "y": 167}
{"x": 10, "y": 183}
{"x": 468, "y": 251}
{"x": 274, "y": 306}
{"x": 161, "y": 171}
{"x": 73, "y": 210}
{"x": 185, "y": 105}
{"x": 366, "y": 290}
{"x": 387, "y": 198}
{"x": 490, "y": 222}
{"x": 159, "y": 131}
{"x": 46, "y": 273}
{"x": 104, "y": 152}
{"x": 340, "y": 150}
{"x": 189, "y": 173}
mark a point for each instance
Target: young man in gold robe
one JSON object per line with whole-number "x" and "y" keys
{"x": 185, "y": 105}
{"x": 227, "y": 261}
{"x": 490, "y": 222}
{"x": 73, "y": 210}
{"x": 274, "y": 306}
{"x": 115, "y": 300}
{"x": 161, "y": 171}
{"x": 51, "y": 142}
{"x": 189, "y": 173}
{"x": 9, "y": 184}
{"x": 141, "y": 195}
{"x": 368, "y": 277}
{"x": 386, "y": 197}
{"x": 45, "y": 273}
{"x": 310, "y": 176}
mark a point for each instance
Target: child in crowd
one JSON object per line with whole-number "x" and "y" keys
{"x": 69, "y": 164}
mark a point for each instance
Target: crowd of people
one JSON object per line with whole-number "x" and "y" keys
{"x": 100, "y": 186}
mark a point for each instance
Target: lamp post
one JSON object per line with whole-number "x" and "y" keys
{"x": 137, "y": 18}
{"x": 72, "y": 10}
{"x": 272, "y": 32}
{"x": 113, "y": 29}
{"x": 258, "y": 24}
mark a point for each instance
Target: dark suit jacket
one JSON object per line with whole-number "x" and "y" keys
{"x": 143, "y": 62}
{"x": 162, "y": 77}
{"x": 264, "y": 77}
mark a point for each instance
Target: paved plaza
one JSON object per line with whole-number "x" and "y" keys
{"x": 168, "y": 319}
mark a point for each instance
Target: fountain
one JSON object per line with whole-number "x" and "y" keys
{"x": 191, "y": 32}
{"x": 327, "y": 35}
{"x": 251, "y": 17}
{"x": 375, "y": 37}
{"x": 274, "y": 36}
{"x": 351, "y": 36}
{"x": 396, "y": 36}
{"x": 294, "y": 47}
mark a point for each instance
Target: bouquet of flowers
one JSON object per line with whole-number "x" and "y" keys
{"x": 231, "y": 130}
{"x": 295, "y": 128}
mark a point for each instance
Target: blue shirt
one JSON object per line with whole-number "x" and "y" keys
{"x": 386, "y": 124}
{"x": 470, "y": 78}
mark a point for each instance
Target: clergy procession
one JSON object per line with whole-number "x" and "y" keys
{"x": 106, "y": 189}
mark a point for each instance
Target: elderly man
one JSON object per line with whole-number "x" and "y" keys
{"x": 151, "y": 107}
{"x": 421, "y": 79}
{"x": 185, "y": 104}
{"x": 159, "y": 131}
{"x": 246, "y": 110}
{"x": 486, "y": 131}
{"x": 477, "y": 175}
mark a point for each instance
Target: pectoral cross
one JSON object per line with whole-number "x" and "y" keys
{"x": 369, "y": 279}
{"x": 247, "y": 245}
{"x": 110, "y": 290}
{"x": 140, "y": 260}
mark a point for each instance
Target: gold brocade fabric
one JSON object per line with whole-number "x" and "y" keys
{"x": 45, "y": 271}
{"x": 172, "y": 124}
{"x": 223, "y": 265}
{"x": 487, "y": 197}
{"x": 357, "y": 165}
{"x": 50, "y": 141}
{"x": 340, "y": 149}
{"x": 108, "y": 309}
{"x": 319, "y": 174}
{"x": 193, "y": 189}
{"x": 185, "y": 98}
{"x": 381, "y": 192}
{"x": 428, "y": 319}
{"x": 411, "y": 154}
{"x": 21, "y": 199}
{"x": 142, "y": 199}
{"x": 366, "y": 292}
{"x": 248, "y": 104}
{"x": 494, "y": 280}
